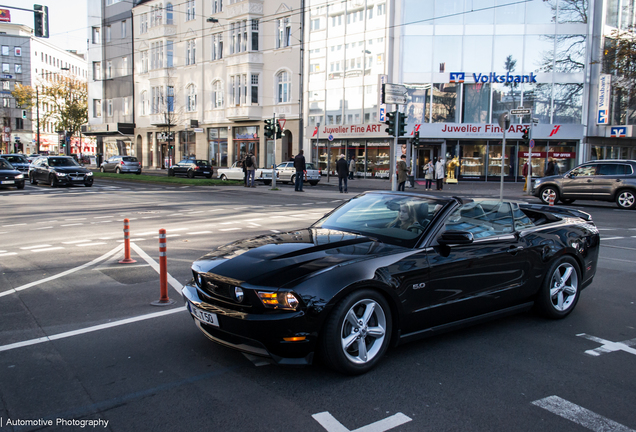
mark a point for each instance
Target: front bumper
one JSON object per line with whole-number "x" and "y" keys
{"x": 71, "y": 180}
{"x": 256, "y": 333}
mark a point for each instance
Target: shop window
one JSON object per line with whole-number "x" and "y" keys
{"x": 472, "y": 156}
{"x": 495, "y": 156}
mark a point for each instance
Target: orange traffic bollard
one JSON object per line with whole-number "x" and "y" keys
{"x": 551, "y": 198}
{"x": 163, "y": 272}
{"x": 127, "y": 259}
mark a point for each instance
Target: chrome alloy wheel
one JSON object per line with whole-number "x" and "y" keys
{"x": 564, "y": 286}
{"x": 363, "y": 331}
{"x": 625, "y": 199}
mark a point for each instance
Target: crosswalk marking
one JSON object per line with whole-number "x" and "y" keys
{"x": 579, "y": 415}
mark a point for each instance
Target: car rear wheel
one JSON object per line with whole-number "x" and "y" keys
{"x": 546, "y": 192}
{"x": 170, "y": 173}
{"x": 190, "y": 174}
{"x": 102, "y": 169}
{"x": 117, "y": 170}
{"x": 208, "y": 176}
{"x": 223, "y": 177}
{"x": 560, "y": 290}
{"x": 313, "y": 183}
{"x": 626, "y": 199}
{"x": 32, "y": 179}
{"x": 357, "y": 333}
{"x": 293, "y": 179}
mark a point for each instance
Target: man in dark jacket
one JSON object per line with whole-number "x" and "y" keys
{"x": 342, "y": 168}
{"x": 299, "y": 164}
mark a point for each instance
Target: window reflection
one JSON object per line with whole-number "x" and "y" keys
{"x": 486, "y": 16}
{"x": 448, "y": 12}
{"x": 418, "y": 51}
{"x": 504, "y": 98}
{"x": 445, "y": 53}
{"x": 573, "y": 11}
{"x": 413, "y": 11}
{"x": 476, "y": 103}
{"x": 418, "y": 108}
{"x": 539, "y": 52}
{"x": 570, "y": 51}
{"x": 568, "y": 102}
{"x": 507, "y": 57}
{"x": 445, "y": 102}
{"x": 537, "y": 97}
{"x": 334, "y": 106}
{"x": 541, "y": 12}
{"x": 509, "y": 12}
{"x": 477, "y": 53}
{"x": 353, "y": 105}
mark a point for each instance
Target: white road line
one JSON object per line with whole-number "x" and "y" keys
{"x": 47, "y": 249}
{"x": 195, "y": 212}
{"x": 90, "y": 329}
{"x": 176, "y": 214}
{"x": 176, "y": 229}
{"x": 278, "y": 217}
{"x": 3, "y": 232}
{"x": 609, "y": 346}
{"x": 330, "y": 423}
{"x": 254, "y": 224}
{"x": 579, "y": 415}
{"x": 215, "y": 210}
{"x": 75, "y": 219}
{"x": 275, "y": 231}
{"x": 105, "y": 238}
{"x": 228, "y": 223}
{"x": 150, "y": 217}
{"x": 169, "y": 235}
{"x": 91, "y": 244}
{"x": 8, "y": 254}
{"x": 130, "y": 219}
{"x": 13, "y": 225}
{"x": 611, "y": 238}
{"x": 132, "y": 239}
{"x": 229, "y": 229}
{"x": 35, "y": 247}
{"x": 103, "y": 217}
{"x": 42, "y": 228}
{"x": 251, "y": 220}
{"x": 75, "y": 224}
{"x": 199, "y": 232}
{"x": 64, "y": 273}
{"x": 77, "y": 241}
{"x": 155, "y": 265}
{"x": 147, "y": 233}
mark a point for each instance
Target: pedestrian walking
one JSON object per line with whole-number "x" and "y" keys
{"x": 439, "y": 174}
{"x": 402, "y": 173}
{"x": 352, "y": 167}
{"x": 429, "y": 174}
{"x": 250, "y": 169}
{"x": 342, "y": 168}
{"x": 549, "y": 169}
{"x": 301, "y": 169}
{"x": 527, "y": 173}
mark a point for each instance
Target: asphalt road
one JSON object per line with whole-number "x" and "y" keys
{"x": 80, "y": 341}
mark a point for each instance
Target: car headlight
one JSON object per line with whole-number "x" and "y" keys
{"x": 19, "y": 176}
{"x": 59, "y": 174}
{"x": 279, "y": 300}
{"x": 90, "y": 173}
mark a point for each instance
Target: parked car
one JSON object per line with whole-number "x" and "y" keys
{"x": 603, "y": 180}
{"x": 191, "y": 168}
{"x": 121, "y": 164}
{"x": 9, "y": 176}
{"x": 59, "y": 170}
{"x": 386, "y": 268}
{"x": 17, "y": 161}
{"x": 285, "y": 172}
{"x": 235, "y": 172}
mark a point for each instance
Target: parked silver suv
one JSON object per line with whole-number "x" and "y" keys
{"x": 604, "y": 180}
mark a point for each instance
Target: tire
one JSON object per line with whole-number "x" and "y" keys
{"x": 313, "y": 183}
{"x": 558, "y": 297}
{"x": 208, "y": 176}
{"x": 170, "y": 173}
{"x": 190, "y": 174}
{"x": 102, "y": 169}
{"x": 117, "y": 170}
{"x": 32, "y": 179}
{"x": 293, "y": 179}
{"x": 53, "y": 180}
{"x": 567, "y": 201}
{"x": 373, "y": 335}
{"x": 267, "y": 182}
{"x": 138, "y": 173}
{"x": 223, "y": 177}
{"x": 544, "y": 195}
{"x": 20, "y": 185}
{"x": 626, "y": 199}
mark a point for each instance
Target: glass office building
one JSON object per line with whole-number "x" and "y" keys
{"x": 464, "y": 63}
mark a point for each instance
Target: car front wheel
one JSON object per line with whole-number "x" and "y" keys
{"x": 102, "y": 169}
{"x": 560, "y": 290}
{"x": 546, "y": 192}
{"x": 53, "y": 180}
{"x": 190, "y": 174}
{"x": 32, "y": 179}
{"x": 357, "y": 333}
{"x": 170, "y": 173}
{"x": 626, "y": 199}
{"x": 223, "y": 177}
{"x": 20, "y": 185}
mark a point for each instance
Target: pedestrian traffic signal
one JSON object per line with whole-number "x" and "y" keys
{"x": 416, "y": 138}
{"x": 525, "y": 136}
{"x": 390, "y": 122}
{"x": 270, "y": 129}
{"x": 401, "y": 127}
{"x": 41, "y": 21}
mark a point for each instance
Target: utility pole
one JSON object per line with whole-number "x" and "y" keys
{"x": 37, "y": 111}
{"x": 504, "y": 124}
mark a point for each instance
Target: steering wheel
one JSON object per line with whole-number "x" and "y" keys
{"x": 415, "y": 228}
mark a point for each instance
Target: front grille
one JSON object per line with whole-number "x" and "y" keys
{"x": 221, "y": 291}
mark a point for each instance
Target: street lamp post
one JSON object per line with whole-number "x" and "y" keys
{"x": 37, "y": 111}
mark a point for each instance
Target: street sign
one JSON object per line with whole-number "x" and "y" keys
{"x": 521, "y": 111}
{"x": 531, "y": 143}
{"x": 281, "y": 123}
{"x": 394, "y": 94}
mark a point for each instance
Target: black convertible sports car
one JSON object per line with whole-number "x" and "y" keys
{"x": 386, "y": 268}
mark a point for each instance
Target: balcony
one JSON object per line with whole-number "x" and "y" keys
{"x": 244, "y": 113}
{"x": 244, "y": 8}
{"x": 160, "y": 31}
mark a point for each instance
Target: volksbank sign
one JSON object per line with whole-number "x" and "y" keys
{"x": 459, "y": 77}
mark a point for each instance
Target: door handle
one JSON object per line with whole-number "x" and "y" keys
{"x": 514, "y": 249}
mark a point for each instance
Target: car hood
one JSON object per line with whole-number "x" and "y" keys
{"x": 67, "y": 170}
{"x": 281, "y": 260}
{"x": 7, "y": 173}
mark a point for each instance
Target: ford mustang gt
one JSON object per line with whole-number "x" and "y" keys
{"x": 386, "y": 268}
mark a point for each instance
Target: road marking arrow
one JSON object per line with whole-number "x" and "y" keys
{"x": 329, "y": 422}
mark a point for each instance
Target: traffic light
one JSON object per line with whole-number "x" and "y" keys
{"x": 41, "y": 21}
{"x": 279, "y": 131}
{"x": 416, "y": 138}
{"x": 525, "y": 136}
{"x": 269, "y": 128}
{"x": 401, "y": 127}
{"x": 390, "y": 122}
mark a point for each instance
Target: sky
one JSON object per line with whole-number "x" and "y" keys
{"x": 67, "y": 20}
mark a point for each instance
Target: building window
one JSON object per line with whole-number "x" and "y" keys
{"x": 109, "y": 69}
{"x": 190, "y": 10}
{"x": 126, "y": 107}
{"x": 17, "y": 68}
{"x": 217, "y": 6}
{"x": 96, "y": 37}
{"x": 157, "y": 99}
{"x": 124, "y": 66}
{"x": 97, "y": 108}
{"x": 254, "y": 89}
{"x": 143, "y": 23}
{"x": 123, "y": 29}
{"x": 109, "y": 107}
{"x": 169, "y": 14}
{"x": 315, "y": 24}
{"x": 190, "y": 52}
{"x": 5, "y": 50}
{"x": 108, "y": 34}
{"x": 18, "y": 52}
{"x": 254, "y": 35}
{"x": 217, "y": 46}
{"x": 19, "y": 123}
{"x": 244, "y": 31}
{"x": 284, "y": 87}
{"x": 144, "y": 62}
{"x": 144, "y": 102}
{"x": 6, "y": 102}
{"x": 6, "y": 85}
{"x": 381, "y": 9}
{"x": 217, "y": 94}
{"x": 283, "y": 38}
{"x": 156, "y": 55}
{"x": 191, "y": 102}
{"x": 169, "y": 54}
{"x": 97, "y": 71}
{"x": 233, "y": 91}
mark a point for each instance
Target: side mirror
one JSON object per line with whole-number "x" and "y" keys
{"x": 456, "y": 237}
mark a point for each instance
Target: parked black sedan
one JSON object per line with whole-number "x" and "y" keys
{"x": 59, "y": 170}
{"x": 387, "y": 268}
{"x": 9, "y": 176}
{"x": 17, "y": 161}
{"x": 191, "y": 168}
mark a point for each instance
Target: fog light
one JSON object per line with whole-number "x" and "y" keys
{"x": 238, "y": 294}
{"x": 199, "y": 281}
{"x": 295, "y": 339}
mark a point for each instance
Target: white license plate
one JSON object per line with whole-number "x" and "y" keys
{"x": 206, "y": 172}
{"x": 8, "y": 182}
{"x": 204, "y": 316}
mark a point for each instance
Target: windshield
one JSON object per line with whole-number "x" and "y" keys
{"x": 202, "y": 162}
{"x": 130, "y": 159}
{"x": 309, "y": 166}
{"x": 393, "y": 219}
{"x": 15, "y": 159}
{"x": 5, "y": 165}
{"x": 62, "y": 162}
